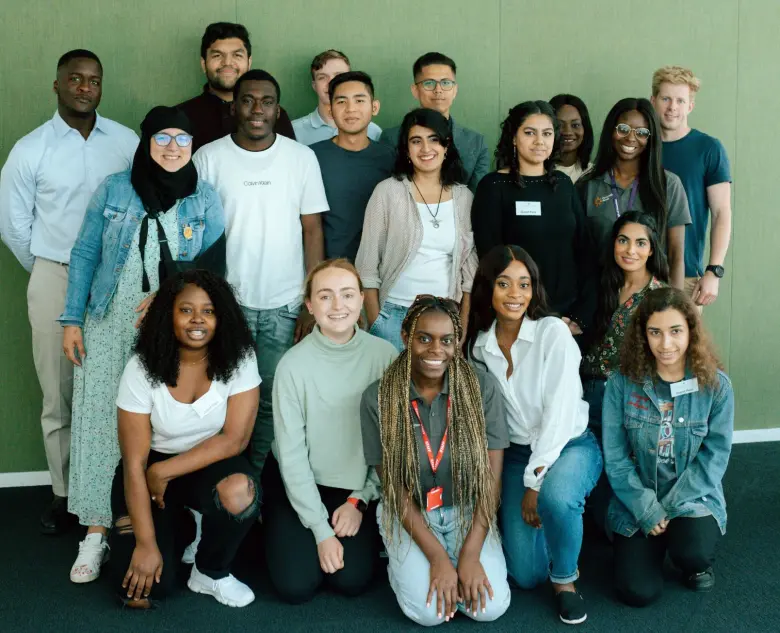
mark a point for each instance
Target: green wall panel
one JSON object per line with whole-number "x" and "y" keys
{"x": 506, "y": 52}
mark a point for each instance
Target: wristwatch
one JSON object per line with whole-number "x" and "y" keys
{"x": 358, "y": 503}
{"x": 718, "y": 271}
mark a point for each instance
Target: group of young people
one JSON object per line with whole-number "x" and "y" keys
{"x": 379, "y": 343}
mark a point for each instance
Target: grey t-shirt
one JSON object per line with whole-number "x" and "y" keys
{"x": 600, "y": 208}
{"x": 667, "y": 470}
{"x": 349, "y": 179}
{"x": 434, "y": 417}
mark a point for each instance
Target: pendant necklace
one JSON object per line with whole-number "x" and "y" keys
{"x": 434, "y": 220}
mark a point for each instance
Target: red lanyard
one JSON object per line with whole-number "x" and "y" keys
{"x": 426, "y": 440}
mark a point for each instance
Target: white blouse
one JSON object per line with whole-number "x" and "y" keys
{"x": 543, "y": 396}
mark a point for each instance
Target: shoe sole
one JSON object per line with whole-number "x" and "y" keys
{"x": 202, "y": 590}
{"x": 580, "y": 621}
{"x": 81, "y": 580}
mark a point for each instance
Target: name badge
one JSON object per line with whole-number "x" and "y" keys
{"x": 684, "y": 386}
{"x": 523, "y": 207}
{"x": 207, "y": 403}
{"x": 434, "y": 499}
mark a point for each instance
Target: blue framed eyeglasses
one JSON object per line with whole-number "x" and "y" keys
{"x": 163, "y": 139}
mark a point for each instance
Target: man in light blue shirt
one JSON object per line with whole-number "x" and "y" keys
{"x": 45, "y": 187}
{"x": 319, "y": 125}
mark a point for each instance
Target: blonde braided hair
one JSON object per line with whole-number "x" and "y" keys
{"x": 473, "y": 488}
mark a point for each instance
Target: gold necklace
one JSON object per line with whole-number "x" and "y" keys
{"x": 195, "y": 362}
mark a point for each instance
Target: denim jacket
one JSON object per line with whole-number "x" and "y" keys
{"x": 106, "y": 235}
{"x": 703, "y": 423}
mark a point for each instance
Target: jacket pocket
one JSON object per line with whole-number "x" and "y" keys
{"x": 114, "y": 214}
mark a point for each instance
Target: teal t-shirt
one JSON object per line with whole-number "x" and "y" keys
{"x": 700, "y": 161}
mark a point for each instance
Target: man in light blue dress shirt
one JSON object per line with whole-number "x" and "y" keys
{"x": 319, "y": 125}
{"x": 45, "y": 186}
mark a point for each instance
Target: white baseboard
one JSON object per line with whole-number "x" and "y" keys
{"x": 20, "y": 480}
{"x": 42, "y": 477}
{"x": 756, "y": 435}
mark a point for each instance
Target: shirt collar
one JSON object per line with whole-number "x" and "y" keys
{"x": 414, "y": 394}
{"x": 210, "y": 95}
{"x": 62, "y": 128}
{"x": 489, "y": 341}
{"x": 315, "y": 119}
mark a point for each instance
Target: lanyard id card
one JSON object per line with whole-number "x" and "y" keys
{"x": 434, "y": 498}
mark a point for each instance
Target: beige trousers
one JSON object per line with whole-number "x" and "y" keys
{"x": 45, "y": 303}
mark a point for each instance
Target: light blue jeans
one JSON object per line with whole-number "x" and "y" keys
{"x": 388, "y": 324}
{"x": 533, "y": 555}
{"x": 409, "y": 569}
{"x": 273, "y": 331}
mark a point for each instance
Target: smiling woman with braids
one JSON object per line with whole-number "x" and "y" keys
{"x": 435, "y": 430}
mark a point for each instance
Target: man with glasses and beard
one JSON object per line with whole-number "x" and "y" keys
{"x": 435, "y": 87}
{"x": 225, "y": 55}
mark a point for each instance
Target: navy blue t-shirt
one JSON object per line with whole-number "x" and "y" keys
{"x": 349, "y": 179}
{"x": 700, "y": 161}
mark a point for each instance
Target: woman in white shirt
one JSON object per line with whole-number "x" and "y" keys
{"x": 553, "y": 461}
{"x": 187, "y": 403}
{"x": 417, "y": 236}
{"x": 319, "y": 497}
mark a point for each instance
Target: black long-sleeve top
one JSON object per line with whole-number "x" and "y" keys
{"x": 555, "y": 235}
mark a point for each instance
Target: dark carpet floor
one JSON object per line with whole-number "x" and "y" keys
{"x": 36, "y": 595}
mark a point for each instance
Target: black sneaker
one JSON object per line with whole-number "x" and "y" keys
{"x": 55, "y": 519}
{"x": 703, "y": 581}
{"x": 571, "y": 607}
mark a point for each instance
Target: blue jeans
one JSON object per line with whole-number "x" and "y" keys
{"x": 409, "y": 569}
{"x": 273, "y": 331}
{"x": 388, "y": 324}
{"x": 598, "y": 502}
{"x": 554, "y": 549}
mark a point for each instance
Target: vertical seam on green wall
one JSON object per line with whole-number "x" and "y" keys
{"x": 734, "y": 191}
{"x": 500, "y": 99}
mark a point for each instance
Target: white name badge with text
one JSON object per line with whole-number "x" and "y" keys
{"x": 525, "y": 207}
{"x": 684, "y": 386}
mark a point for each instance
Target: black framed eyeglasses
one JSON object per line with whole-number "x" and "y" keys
{"x": 624, "y": 129}
{"x": 430, "y": 84}
{"x": 163, "y": 139}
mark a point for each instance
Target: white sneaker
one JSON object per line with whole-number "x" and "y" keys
{"x": 93, "y": 552}
{"x": 188, "y": 558}
{"x": 229, "y": 591}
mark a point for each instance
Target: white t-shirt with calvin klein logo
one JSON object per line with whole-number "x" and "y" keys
{"x": 179, "y": 426}
{"x": 264, "y": 194}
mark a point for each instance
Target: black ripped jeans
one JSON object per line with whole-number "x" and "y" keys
{"x": 222, "y": 531}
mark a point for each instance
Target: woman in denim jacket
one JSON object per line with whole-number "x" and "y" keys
{"x": 114, "y": 270}
{"x": 667, "y": 426}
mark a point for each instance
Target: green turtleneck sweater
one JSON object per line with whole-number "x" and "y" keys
{"x": 316, "y": 396}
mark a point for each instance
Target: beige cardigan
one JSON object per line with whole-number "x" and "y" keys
{"x": 393, "y": 231}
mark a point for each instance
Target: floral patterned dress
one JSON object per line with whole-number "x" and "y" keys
{"x": 94, "y": 450}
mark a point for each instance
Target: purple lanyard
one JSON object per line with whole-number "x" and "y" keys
{"x": 616, "y": 195}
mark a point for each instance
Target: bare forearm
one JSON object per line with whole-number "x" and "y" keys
{"x": 371, "y": 301}
{"x": 139, "y": 506}
{"x": 208, "y": 452}
{"x": 313, "y": 246}
{"x": 415, "y": 525}
{"x": 720, "y": 236}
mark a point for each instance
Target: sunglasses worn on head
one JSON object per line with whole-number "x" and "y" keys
{"x": 624, "y": 129}
{"x": 163, "y": 139}
{"x": 430, "y": 84}
{"x": 431, "y": 300}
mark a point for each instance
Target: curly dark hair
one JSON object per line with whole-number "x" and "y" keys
{"x": 612, "y": 276}
{"x": 482, "y": 314}
{"x": 451, "y": 169}
{"x": 158, "y": 348}
{"x": 637, "y": 361}
{"x": 505, "y": 150}
{"x": 586, "y": 147}
{"x": 652, "y": 178}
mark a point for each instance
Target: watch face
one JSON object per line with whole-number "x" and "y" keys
{"x": 718, "y": 271}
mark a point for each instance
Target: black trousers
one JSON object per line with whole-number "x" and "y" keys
{"x": 639, "y": 560}
{"x": 222, "y": 532}
{"x": 291, "y": 552}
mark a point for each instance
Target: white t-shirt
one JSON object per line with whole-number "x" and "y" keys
{"x": 430, "y": 269}
{"x": 264, "y": 194}
{"x": 178, "y": 426}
